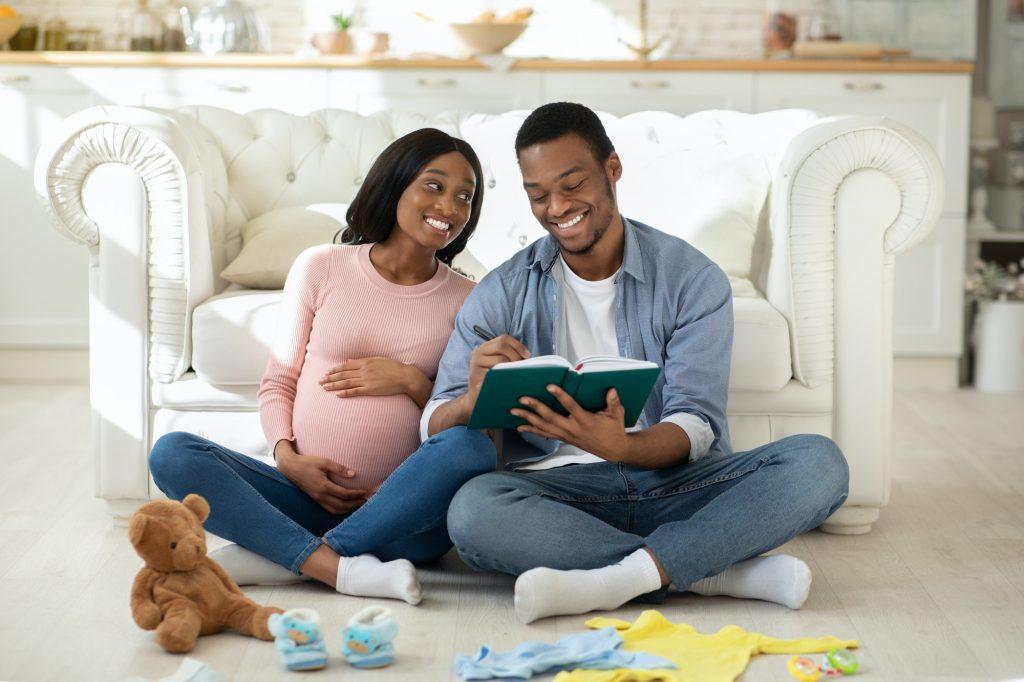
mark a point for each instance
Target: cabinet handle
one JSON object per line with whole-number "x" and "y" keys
{"x": 233, "y": 87}
{"x": 863, "y": 86}
{"x": 436, "y": 82}
{"x": 650, "y": 85}
{"x": 14, "y": 79}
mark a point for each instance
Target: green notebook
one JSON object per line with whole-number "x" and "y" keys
{"x": 588, "y": 383}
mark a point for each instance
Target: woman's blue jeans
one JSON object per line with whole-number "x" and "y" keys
{"x": 697, "y": 518}
{"x": 255, "y": 505}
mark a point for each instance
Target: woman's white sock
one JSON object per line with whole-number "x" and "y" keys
{"x": 249, "y": 568}
{"x": 778, "y": 578}
{"x": 367, "y": 576}
{"x": 543, "y": 592}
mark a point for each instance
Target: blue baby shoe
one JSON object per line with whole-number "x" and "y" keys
{"x": 368, "y": 638}
{"x": 298, "y": 639}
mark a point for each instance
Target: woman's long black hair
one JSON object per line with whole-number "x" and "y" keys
{"x": 372, "y": 214}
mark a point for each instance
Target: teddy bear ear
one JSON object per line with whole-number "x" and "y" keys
{"x": 198, "y": 505}
{"x": 136, "y": 528}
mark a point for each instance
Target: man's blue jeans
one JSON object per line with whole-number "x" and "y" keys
{"x": 256, "y": 506}
{"x": 697, "y": 518}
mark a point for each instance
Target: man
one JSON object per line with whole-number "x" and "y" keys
{"x": 587, "y": 513}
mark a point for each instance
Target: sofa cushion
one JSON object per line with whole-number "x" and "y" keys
{"x": 761, "y": 359}
{"x": 232, "y": 335}
{"x": 272, "y": 242}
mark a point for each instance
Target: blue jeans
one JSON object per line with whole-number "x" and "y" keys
{"x": 697, "y": 518}
{"x": 255, "y": 505}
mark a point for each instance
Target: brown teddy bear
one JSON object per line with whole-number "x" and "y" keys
{"x": 180, "y": 592}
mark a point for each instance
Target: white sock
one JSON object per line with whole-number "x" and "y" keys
{"x": 779, "y": 578}
{"x": 367, "y": 576}
{"x": 249, "y": 568}
{"x": 542, "y": 592}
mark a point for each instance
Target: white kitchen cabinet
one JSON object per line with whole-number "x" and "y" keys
{"x": 928, "y": 294}
{"x": 43, "y": 276}
{"x": 432, "y": 91}
{"x": 298, "y": 91}
{"x": 623, "y": 93}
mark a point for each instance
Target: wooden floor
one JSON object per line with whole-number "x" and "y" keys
{"x": 935, "y": 592}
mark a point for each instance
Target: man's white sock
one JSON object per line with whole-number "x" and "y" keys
{"x": 779, "y": 578}
{"x": 367, "y": 576}
{"x": 543, "y": 592}
{"x": 249, "y": 568}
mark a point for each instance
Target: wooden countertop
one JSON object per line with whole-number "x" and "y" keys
{"x": 280, "y": 60}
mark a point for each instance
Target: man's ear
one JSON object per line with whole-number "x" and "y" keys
{"x": 613, "y": 166}
{"x": 137, "y": 528}
{"x": 197, "y": 505}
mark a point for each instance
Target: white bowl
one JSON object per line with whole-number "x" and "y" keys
{"x": 480, "y": 38}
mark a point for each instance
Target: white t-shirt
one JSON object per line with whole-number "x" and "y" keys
{"x": 586, "y": 326}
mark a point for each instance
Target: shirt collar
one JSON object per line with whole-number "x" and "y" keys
{"x": 632, "y": 260}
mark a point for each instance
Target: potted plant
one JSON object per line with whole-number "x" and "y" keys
{"x": 999, "y": 326}
{"x": 338, "y": 41}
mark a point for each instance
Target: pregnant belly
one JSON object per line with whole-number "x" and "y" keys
{"x": 371, "y": 435}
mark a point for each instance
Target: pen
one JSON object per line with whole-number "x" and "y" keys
{"x": 482, "y": 333}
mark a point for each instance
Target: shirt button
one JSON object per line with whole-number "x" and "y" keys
{"x": 491, "y": 183}
{"x": 291, "y": 177}
{"x": 358, "y": 181}
{"x": 522, "y": 240}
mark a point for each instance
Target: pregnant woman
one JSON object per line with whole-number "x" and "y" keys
{"x": 361, "y": 331}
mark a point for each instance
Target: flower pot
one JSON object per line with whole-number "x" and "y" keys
{"x": 999, "y": 347}
{"x": 333, "y": 42}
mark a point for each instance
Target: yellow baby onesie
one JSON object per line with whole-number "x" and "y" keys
{"x": 722, "y": 656}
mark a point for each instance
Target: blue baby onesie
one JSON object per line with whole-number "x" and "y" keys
{"x": 596, "y": 650}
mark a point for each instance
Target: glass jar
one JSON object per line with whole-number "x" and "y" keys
{"x": 177, "y": 25}
{"x": 27, "y": 37}
{"x": 146, "y": 29}
{"x": 55, "y": 34}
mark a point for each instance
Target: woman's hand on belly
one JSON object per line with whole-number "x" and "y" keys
{"x": 377, "y": 376}
{"x": 317, "y": 476}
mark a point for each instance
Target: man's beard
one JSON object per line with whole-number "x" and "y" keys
{"x": 598, "y": 233}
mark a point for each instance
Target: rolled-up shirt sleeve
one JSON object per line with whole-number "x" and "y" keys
{"x": 487, "y": 307}
{"x": 698, "y": 360}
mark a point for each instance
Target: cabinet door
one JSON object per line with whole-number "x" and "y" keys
{"x": 935, "y": 105}
{"x": 432, "y": 91}
{"x": 928, "y": 294}
{"x": 43, "y": 275}
{"x": 298, "y": 91}
{"x": 626, "y": 92}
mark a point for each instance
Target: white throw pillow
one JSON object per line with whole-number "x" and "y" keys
{"x": 712, "y": 198}
{"x": 272, "y": 242}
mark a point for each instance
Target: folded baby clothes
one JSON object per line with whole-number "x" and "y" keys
{"x": 721, "y": 657}
{"x": 601, "y": 649}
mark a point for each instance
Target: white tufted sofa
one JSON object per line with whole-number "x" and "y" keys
{"x": 159, "y": 198}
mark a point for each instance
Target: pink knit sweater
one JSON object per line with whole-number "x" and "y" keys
{"x": 337, "y": 307}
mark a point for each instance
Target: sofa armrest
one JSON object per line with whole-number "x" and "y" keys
{"x": 850, "y": 194}
{"x": 179, "y": 175}
{"x": 890, "y": 176}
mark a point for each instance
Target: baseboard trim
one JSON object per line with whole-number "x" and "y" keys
{"x": 930, "y": 373}
{"x": 49, "y": 366}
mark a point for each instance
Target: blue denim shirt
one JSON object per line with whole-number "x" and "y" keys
{"x": 674, "y": 308}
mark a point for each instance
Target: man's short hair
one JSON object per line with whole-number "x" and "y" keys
{"x": 552, "y": 121}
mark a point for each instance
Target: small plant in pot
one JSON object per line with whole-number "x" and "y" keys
{"x": 338, "y": 41}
